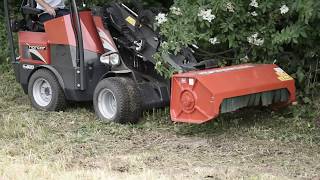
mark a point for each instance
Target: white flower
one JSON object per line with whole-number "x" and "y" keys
{"x": 206, "y": 15}
{"x": 253, "y": 39}
{"x": 259, "y": 42}
{"x": 214, "y": 41}
{"x": 159, "y": 63}
{"x": 284, "y": 9}
{"x": 161, "y": 18}
{"x": 254, "y": 13}
{"x": 230, "y": 7}
{"x": 245, "y": 59}
{"x": 164, "y": 45}
{"x": 176, "y": 11}
{"x": 254, "y": 3}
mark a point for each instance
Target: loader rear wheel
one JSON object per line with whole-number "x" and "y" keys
{"x": 111, "y": 101}
{"x": 45, "y": 92}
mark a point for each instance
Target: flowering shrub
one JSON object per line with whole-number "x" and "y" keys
{"x": 240, "y": 31}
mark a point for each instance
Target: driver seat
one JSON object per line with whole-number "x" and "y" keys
{"x": 31, "y": 16}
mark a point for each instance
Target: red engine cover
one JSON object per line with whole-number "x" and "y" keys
{"x": 196, "y": 96}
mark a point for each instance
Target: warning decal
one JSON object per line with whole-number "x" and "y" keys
{"x": 282, "y": 75}
{"x": 131, "y": 20}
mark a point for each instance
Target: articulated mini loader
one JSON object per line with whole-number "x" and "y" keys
{"x": 105, "y": 55}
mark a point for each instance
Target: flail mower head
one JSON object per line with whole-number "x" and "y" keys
{"x": 200, "y": 96}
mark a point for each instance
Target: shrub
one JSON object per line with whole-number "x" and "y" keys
{"x": 242, "y": 31}
{"x": 4, "y": 49}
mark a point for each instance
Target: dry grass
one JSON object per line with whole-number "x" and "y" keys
{"x": 257, "y": 144}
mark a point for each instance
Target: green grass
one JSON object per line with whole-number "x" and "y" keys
{"x": 73, "y": 144}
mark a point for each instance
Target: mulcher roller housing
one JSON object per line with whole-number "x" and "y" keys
{"x": 200, "y": 96}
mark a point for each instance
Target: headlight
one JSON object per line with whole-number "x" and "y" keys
{"x": 111, "y": 59}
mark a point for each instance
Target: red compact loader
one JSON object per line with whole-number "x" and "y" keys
{"x": 105, "y": 55}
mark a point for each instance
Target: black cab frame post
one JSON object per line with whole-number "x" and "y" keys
{"x": 9, "y": 32}
{"x": 14, "y": 59}
{"x": 80, "y": 48}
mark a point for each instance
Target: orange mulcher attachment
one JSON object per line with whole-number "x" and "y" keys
{"x": 200, "y": 96}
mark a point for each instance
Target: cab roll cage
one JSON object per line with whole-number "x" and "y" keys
{"x": 78, "y": 34}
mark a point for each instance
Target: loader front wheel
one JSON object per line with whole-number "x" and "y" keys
{"x": 45, "y": 92}
{"x": 111, "y": 101}
{"x": 135, "y": 100}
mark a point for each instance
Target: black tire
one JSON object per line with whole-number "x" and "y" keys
{"x": 120, "y": 93}
{"x": 135, "y": 100}
{"x": 58, "y": 101}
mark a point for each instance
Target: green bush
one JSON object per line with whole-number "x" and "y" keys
{"x": 242, "y": 31}
{"x": 4, "y": 49}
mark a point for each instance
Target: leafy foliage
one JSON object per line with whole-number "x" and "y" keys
{"x": 242, "y": 31}
{"x": 4, "y": 49}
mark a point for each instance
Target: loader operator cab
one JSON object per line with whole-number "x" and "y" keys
{"x": 31, "y": 20}
{"x": 38, "y": 43}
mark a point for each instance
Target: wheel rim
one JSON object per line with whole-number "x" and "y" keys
{"x": 107, "y": 104}
{"x": 42, "y": 92}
